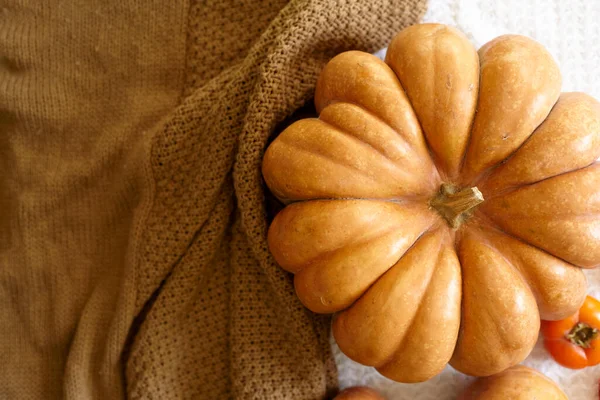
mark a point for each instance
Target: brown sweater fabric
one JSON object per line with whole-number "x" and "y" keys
{"x": 133, "y": 255}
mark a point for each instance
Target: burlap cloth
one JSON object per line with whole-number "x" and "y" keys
{"x": 133, "y": 258}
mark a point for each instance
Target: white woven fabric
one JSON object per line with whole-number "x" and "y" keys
{"x": 570, "y": 30}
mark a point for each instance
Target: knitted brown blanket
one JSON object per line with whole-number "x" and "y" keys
{"x": 133, "y": 258}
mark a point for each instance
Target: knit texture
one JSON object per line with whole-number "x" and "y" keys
{"x": 83, "y": 84}
{"x": 133, "y": 255}
{"x": 226, "y": 322}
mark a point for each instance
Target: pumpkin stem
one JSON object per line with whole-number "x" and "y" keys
{"x": 456, "y": 205}
{"x": 582, "y": 335}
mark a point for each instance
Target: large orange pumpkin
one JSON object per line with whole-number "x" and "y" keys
{"x": 441, "y": 203}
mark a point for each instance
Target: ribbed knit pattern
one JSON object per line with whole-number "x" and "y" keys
{"x": 82, "y": 85}
{"x": 133, "y": 255}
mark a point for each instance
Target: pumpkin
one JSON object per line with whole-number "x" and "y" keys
{"x": 442, "y": 202}
{"x": 358, "y": 393}
{"x": 516, "y": 383}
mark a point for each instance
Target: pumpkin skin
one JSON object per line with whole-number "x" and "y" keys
{"x": 358, "y": 393}
{"x": 518, "y": 383}
{"x": 385, "y": 225}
